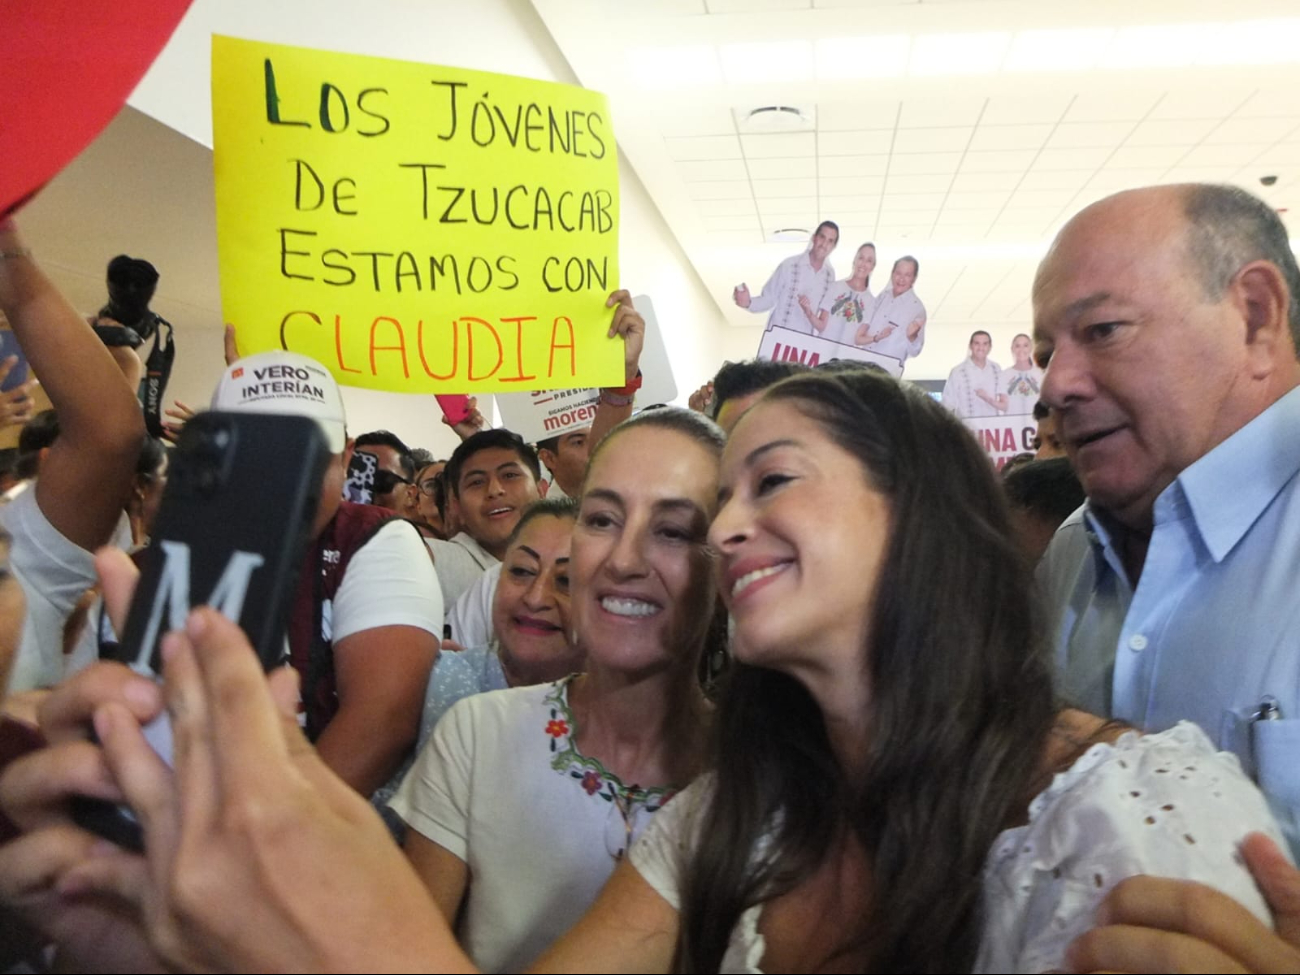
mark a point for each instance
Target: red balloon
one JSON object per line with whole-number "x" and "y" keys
{"x": 66, "y": 68}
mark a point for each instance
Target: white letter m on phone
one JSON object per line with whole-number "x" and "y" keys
{"x": 173, "y": 594}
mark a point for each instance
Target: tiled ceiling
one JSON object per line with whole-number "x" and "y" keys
{"x": 972, "y": 172}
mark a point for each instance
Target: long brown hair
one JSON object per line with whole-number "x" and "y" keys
{"x": 961, "y": 702}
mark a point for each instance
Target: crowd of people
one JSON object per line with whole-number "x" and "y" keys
{"x": 796, "y": 681}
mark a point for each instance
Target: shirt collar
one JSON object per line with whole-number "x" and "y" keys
{"x": 1229, "y": 488}
{"x": 478, "y": 553}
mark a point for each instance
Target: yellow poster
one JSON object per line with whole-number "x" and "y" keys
{"x": 415, "y": 228}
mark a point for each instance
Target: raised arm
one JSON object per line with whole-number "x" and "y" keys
{"x": 86, "y": 476}
{"x": 615, "y": 405}
{"x": 766, "y": 299}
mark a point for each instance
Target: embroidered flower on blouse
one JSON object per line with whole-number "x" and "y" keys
{"x": 557, "y": 727}
{"x": 592, "y": 781}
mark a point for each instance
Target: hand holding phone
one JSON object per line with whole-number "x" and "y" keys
{"x": 236, "y": 517}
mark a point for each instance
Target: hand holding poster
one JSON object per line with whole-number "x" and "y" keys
{"x": 535, "y": 416}
{"x": 415, "y": 228}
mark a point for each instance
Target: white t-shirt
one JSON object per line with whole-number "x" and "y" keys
{"x": 470, "y": 618}
{"x": 1167, "y": 805}
{"x": 959, "y": 391}
{"x": 501, "y": 785}
{"x": 54, "y": 573}
{"x": 899, "y": 311}
{"x": 847, "y": 311}
{"x": 460, "y": 561}
{"x": 390, "y": 581}
{"x": 1022, "y": 387}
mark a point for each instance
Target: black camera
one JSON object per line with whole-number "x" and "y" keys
{"x": 131, "y": 284}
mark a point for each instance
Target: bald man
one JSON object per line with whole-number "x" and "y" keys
{"x": 1167, "y": 321}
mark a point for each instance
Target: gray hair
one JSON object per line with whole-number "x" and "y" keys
{"x": 1228, "y": 228}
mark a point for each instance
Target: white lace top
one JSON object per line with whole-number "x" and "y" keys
{"x": 1165, "y": 804}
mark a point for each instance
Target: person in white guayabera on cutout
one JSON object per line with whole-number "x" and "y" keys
{"x": 848, "y": 303}
{"x": 1023, "y": 382}
{"x": 974, "y": 387}
{"x": 896, "y": 327}
{"x": 796, "y": 288}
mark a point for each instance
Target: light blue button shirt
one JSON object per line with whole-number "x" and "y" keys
{"x": 1212, "y": 632}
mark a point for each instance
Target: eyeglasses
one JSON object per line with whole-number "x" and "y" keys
{"x": 429, "y": 487}
{"x": 386, "y": 481}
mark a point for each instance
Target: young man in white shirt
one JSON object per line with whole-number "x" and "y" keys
{"x": 974, "y": 388}
{"x": 796, "y": 288}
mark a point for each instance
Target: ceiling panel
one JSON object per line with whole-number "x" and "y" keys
{"x": 958, "y": 111}
{"x": 731, "y": 223}
{"x": 1138, "y": 157}
{"x": 1081, "y": 135}
{"x": 721, "y": 190}
{"x": 703, "y": 147}
{"x": 976, "y": 201}
{"x": 777, "y": 188}
{"x": 844, "y": 204}
{"x": 932, "y": 140}
{"x": 1010, "y": 136}
{"x": 1114, "y": 105}
{"x": 997, "y": 162}
{"x": 1025, "y": 109}
{"x": 713, "y": 169}
{"x": 779, "y": 146}
{"x": 727, "y": 208}
{"x": 927, "y": 163}
{"x": 1055, "y": 179}
{"x": 856, "y": 116}
{"x": 854, "y": 143}
{"x": 893, "y": 202}
{"x": 1171, "y": 132}
{"x": 780, "y": 168}
{"x": 832, "y": 166}
{"x": 1233, "y": 155}
{"x": 902, "y": 183}
{"x": 984, "y": 182}
{"x": 1200, "y": 102}
{"x": 1077, "y": 157}
{"x": 699, "y": 121}
{"x": 1253, "y": 130}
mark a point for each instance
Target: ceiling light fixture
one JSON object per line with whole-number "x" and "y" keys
{"x": 776, "y": 118}
{"x": 787, "y": 235}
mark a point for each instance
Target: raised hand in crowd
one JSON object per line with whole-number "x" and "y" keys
{"x": 180, "y": 414}
{"x": 615, "y": 404}
{"x": 1148, "y": 924}
{"x": 90, "y": 466}
{"x": 17, "y": 405}
{"x": 701, "y": 399}
{"x": 230, "y": 345}
{"x": 913, "y": 330}
{"x": 473, "y": 422}
{"x": 741, "y": 295}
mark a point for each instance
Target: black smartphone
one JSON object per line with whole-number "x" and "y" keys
{"x": 232, "y": 531}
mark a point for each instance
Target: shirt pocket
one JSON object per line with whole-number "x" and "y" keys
{"x": 1276, "y": 746}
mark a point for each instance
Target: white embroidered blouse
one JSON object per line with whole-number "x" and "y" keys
{"x": 1164, "y": 804}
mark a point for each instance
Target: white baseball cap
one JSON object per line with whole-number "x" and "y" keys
{"x": 285, "y": 383}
